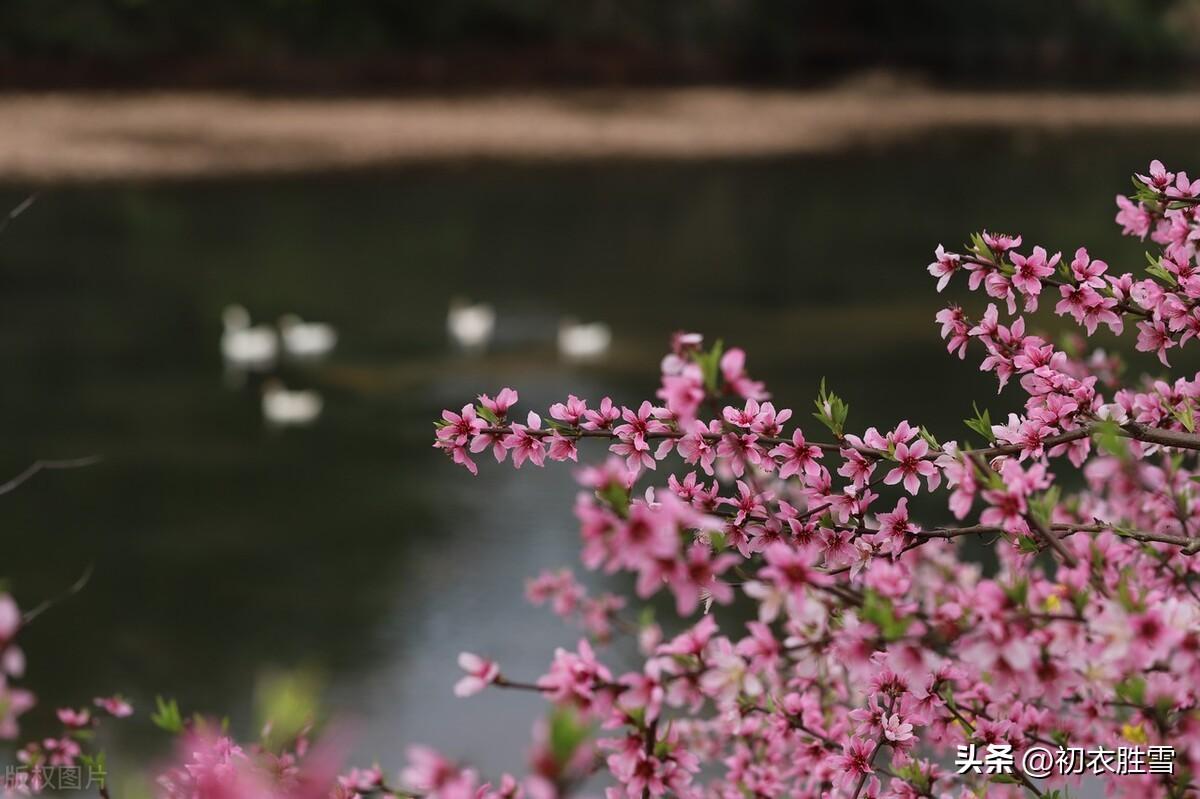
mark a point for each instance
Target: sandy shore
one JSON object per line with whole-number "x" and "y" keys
{"x": 65, "y": 137}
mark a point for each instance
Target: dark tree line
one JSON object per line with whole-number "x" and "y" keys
{"x": 412, "y": 43}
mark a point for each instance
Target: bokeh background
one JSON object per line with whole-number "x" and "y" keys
{"x": 224, "y": 548}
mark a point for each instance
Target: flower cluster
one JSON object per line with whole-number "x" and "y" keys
{"x": 875, "y": 650}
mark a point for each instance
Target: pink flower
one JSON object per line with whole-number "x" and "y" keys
{"x": 999, "y": 285}
{"x": 1000, "y": 242}
{"x": 896, "y": 729}
{"x": 944, "y": 267}
{"x": 696, "y": 448}
{"x": 644, "y": 690}
{"x": 769, "y": 422}
{"x": 362, "y": 780}
{"x": 504, "y": 400}
{"x": 526, "y": 442}
{"x": 1028, "y": 434}
{"x": 1134, "y": 218}
{"x": 698, "y": 579}
{"x": 493, "y": 440}
{"x": 1184, "y": 187}
{"x": 559, "y": 588}
{"x": 748, "y": 503}
{"x": 1153, "y": 337}
{"x": 459, "y": 455}
{"x": 790, "y": 569}
{"x": 911, "y": 464}
{"x": 693, "y": 641}
{"x": 954, "y": 330}
{"x": 1088, "y": 272}
{"x": 74, "y": 719}
{"x": 855, "y": 761}
{"x": 215, "y": 767}
{"x": 115, "y": 706}
{"x": 733, "y": 370}
{"x": 741, "y": 450}
{"x": 460, "y": 428}
{"x": 797, "y": 457}
{"x": 646, "y": 534}
{"x": 745, "y": 417}
{"x": 683, "y": 392}
{"x": 571, "y": 412}
{"x": 562, "y": 447}
{"x": 633, "y": 437}
{"x": 601, "y": 418}
{"x": 13, "y": 703}
{"x": 429, "y": 772}
{"x": 1159, "y": 178}
{"x": 10, "y": 618}
{"x": 480, "y": 673}
{"x": 579, "y": 679}
{"x": 1029, "y": 272}
{"x": 728, "y": 675}
{"x": 895, "y": 529}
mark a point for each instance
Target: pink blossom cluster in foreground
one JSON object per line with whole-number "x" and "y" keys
{"x": 875, "y": 651}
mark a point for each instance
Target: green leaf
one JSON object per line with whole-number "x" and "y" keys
{"x": 877, "y": 609}
{"x": 832, "y": 411}
{"x": 167, "y": 716}
{"x": 710, "y": 365}
{"x": 980, "y": 248}
{"x": 1132, "y": 689}
{"x": 1043, "y": 505}
{"x": 1125, "y": 594}
{"x": 981, "y": 423}
{"x": 663, "y": 746}
{"x": 1027, "y": 545}
{"x": 1157, "y": 270}
{"x": 616, "y": 497}
{"x": 487, "y": 415}
{"x": 1108, "y": 437}
{"x": 1186, "y": 417}
{"x": 96, "y": 767}
{"x": 716, "y": 538}
{"x": 1143, "y": 192}
{"x": 567, "y": 734}
{"x": 1018, "y": 591}
{"x": 929, "y": 439}
{"x": 286, "y": 703}
{"x": 912, "y": 775}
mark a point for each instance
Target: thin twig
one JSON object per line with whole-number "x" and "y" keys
{"x": 37, "y": 466}
{"x": 21, "y": 208}
{"x": 75, "y": 588}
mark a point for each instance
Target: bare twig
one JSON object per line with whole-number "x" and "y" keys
{"x": 21, "y": 208}
{"x": 37, "y": 466}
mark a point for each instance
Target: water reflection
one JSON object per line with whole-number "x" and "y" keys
{"x": 350, "y": 545}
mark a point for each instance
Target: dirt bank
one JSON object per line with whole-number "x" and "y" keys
{"x": 64, "y": 137}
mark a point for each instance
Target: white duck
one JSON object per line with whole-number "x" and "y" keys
{"x": 307, "y": 340}
{"x": 470, "y": 326}
{"x": 580, "y": 342}
{"x": 245, "y": 346}
{"x": 284, "y": 408}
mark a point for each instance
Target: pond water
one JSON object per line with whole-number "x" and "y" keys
{"x": 221, "y": 548}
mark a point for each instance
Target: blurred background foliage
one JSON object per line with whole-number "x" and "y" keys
{"x": 336, "y": 44}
